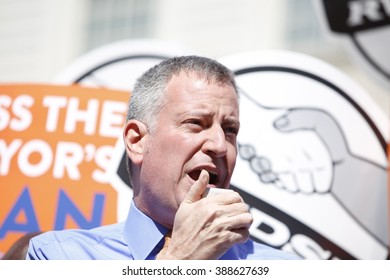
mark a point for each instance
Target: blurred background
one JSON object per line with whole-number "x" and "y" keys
{"x": 40, "y": 38}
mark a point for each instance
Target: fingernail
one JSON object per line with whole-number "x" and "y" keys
{"x": 204, "y": 175}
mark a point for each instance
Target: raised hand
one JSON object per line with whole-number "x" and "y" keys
{"x": 205, "y": 228}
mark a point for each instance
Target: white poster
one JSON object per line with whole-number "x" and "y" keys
{"x": 312, "y": 157}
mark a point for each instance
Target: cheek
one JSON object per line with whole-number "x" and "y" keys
{"x": 162, "y": 147}
{"x": 180, "y": 195}
{"x": 168, "y": 155}
{"x": 231, "y": 157}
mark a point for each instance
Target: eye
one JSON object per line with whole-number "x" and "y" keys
{"x": 194, "y": 124}
{"x": 232, "y": 130}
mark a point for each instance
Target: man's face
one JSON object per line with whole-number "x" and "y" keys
{"x": 196, "y": 130}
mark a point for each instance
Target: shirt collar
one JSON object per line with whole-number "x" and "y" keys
{"x": 142, "y": 234}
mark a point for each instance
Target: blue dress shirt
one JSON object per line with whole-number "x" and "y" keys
{"x": 137, "y": 238}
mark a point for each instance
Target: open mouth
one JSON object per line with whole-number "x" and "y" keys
{"x": 213, "y": 177}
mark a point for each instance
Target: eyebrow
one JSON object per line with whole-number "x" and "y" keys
{"x": 208, "y": 114}
{"x": 199, "y": 113}
{"x": 232, "y": 121}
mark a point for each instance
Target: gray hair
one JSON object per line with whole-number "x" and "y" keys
{"x": 148, "y": 96}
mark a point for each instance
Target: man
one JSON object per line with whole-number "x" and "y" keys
{"x": 180, "y": 138}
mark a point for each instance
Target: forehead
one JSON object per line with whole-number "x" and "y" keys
{"x": 192, "y": 88}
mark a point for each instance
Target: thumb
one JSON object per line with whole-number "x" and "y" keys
{"x": 296, "y": 119}
{"x": 320, "y": 122}
{"x": 196, "y": 190}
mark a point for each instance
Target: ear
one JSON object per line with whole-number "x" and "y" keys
{"x": 134, "y": 137}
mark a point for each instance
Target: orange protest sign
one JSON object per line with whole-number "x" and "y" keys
{"x": 55, "y": 148}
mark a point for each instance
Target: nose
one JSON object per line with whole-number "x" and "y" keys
{"x": 215, "y": 143}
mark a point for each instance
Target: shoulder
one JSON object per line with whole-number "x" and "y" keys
{"x": 78, "y": 243}
{"x": 91, "y": 236}
{"x": 270, "y": 253}
{"x": 256, "y": 251}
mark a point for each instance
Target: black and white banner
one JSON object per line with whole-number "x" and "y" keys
{"x": 365, "y": 25}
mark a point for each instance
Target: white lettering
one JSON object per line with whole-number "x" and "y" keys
{"x": 5, "y": 102}
{"x": 88, "y": 116}
{"x": 36, "y": 157}
{"x": 6, "y": 154}
{"x": 39, "y": 168}
{"x": 54, "y": 105}
{"x": 20, "y": 109}
{"x": 103, "y": 160}
{"x": 68, "y": 157}
{"x": 359, "y": 10}
{"x": 112, "y": 118}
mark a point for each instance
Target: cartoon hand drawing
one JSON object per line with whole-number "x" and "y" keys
{"x": 348, "y": 170}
